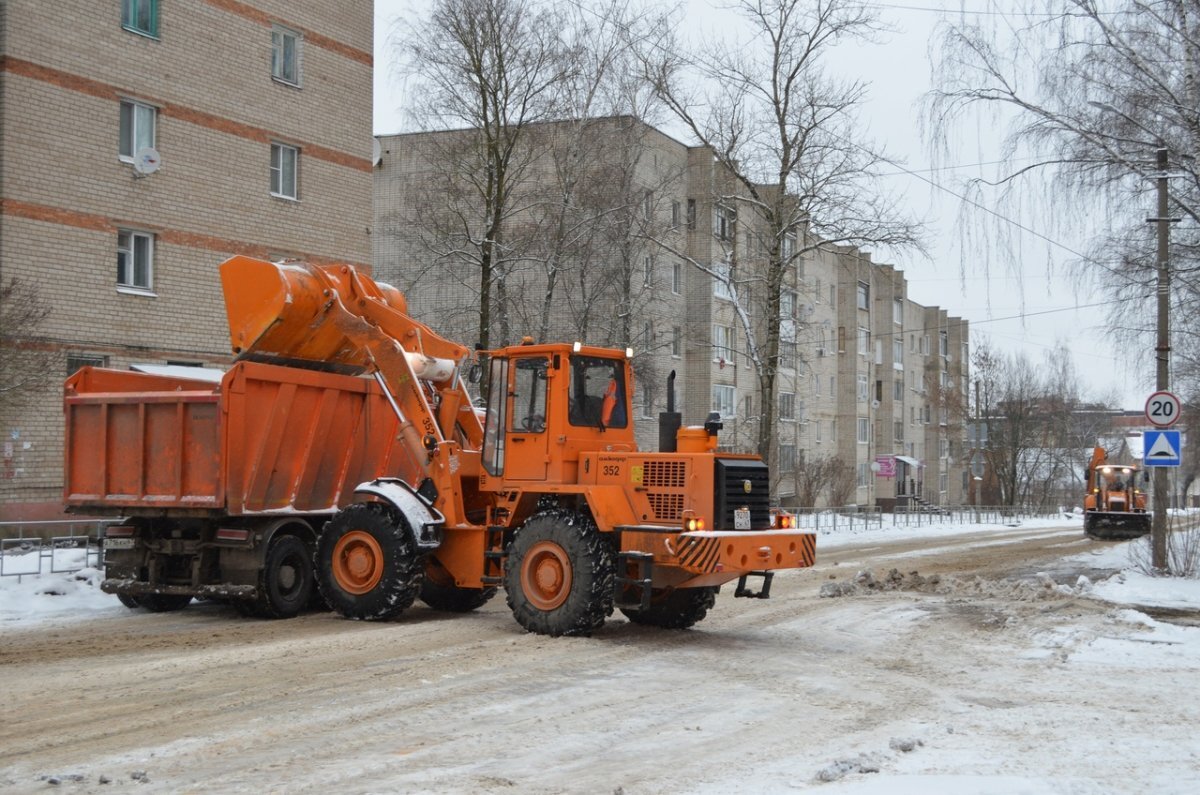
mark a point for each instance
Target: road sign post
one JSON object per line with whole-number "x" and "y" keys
{"x": 1162, "y": 409}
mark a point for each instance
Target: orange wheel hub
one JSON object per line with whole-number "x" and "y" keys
{"x": 546, "y": 575}
{"x": 357, "y": 562}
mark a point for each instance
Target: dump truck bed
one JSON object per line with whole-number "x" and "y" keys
{"x": 265, "y": 439}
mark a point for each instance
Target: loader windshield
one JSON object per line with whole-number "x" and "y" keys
{"x": 597, "y": 393}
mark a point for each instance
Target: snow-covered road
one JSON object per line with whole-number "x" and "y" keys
{"x": 979, "y": 675}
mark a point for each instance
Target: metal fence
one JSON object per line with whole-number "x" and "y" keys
{"x": 854, "y": 518}
{"x": 60, "y": 547}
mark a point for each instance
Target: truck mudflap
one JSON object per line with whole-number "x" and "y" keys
{"x": 216, "y": 591}
{"x": 705, "y": 558}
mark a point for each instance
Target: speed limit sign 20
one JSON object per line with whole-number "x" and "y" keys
{"x": 1162, "y": 409}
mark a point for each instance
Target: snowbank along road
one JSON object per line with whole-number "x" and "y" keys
{"x": 989, "y": 670}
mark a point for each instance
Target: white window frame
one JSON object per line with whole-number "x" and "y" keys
{"x": 129, "y": 15}
{"x": 864, "y": 430}
{"x": 787, "y": 304}
{"x": 724, "y": 219}
{"x": 787, "y": 354}
{"x": 279, "y": 41}
{"x": 722, "y": 276}
{"x": 898, "y": 311}
{"x": 898, "y": 353}
{"x": 135, "y": 108}
{"x": 722, "y": 342}
{"x": 862, "y": 387}
{"x": 724, "y": 400}
{"x": 787, "y": 405}
{"x": 864, "y": 296}
{"x": 278, "y": 188}
{"x": 676, "y": 277}
{"x": 127, "y": 268}
{"x": 787, "y": 457}
{"x": 864, "y": 341}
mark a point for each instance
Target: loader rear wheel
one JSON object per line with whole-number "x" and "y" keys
{"x": 129, "y": 600}
{"x": 677, "y": 609}
{"x": 367, "y": 563}
{"x": 558, "y": 576}
{"x": 439, "y": 592}
{"x": 285, "y": 585}
{"x": 163, "y": 602}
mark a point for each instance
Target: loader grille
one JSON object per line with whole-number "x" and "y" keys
{"x": 666, "y": 507}
{"x": 664, "y": 475}
{"x": 730, "y": 480}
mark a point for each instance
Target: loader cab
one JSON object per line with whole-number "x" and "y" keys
{"x": 546, "y": 404}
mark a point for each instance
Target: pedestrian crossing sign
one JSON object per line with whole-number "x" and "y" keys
{"x": 1161, "y": 448}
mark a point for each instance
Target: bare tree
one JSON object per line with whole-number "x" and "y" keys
{"x": 493, "y": 67}
{"x": 824, "y": 476}
{"x": 784, "y": 132}
{"x": 25, "y": 365}
{"x": 840, "y": 486}
{"x": 1089, "y": 91}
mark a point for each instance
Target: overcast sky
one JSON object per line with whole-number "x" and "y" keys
{"x": 1027, "y": 311}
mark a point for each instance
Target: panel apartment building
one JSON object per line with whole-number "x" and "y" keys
{"x": 867, "y": 376}
{"x": 142, "y": 142}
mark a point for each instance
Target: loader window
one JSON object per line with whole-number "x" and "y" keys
{"x": 493, "y": 438}
{"x": 528, "y": 413}
{"x": 597, "y": 393}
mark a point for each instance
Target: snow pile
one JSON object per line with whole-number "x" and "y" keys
{"x": 866, "y": 582}
{"x": 26, "y": 597}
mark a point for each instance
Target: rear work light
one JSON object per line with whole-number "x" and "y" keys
{"x": 785, "y": 521}
{"x": 694, "y": 524}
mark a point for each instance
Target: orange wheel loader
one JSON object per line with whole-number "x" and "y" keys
{"x": 343, "y": 448}
{"x": 1115, "y": 504}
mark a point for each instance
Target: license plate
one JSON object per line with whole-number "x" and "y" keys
{"x": 741, "y": 519}
{"x": 118, "y": 543}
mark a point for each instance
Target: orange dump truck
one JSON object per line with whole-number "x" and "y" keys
{"x": 343, "y": 449}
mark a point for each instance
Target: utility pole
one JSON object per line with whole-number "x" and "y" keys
{"x": 1162, "y": 351}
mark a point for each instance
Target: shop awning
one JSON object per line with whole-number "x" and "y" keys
{"x": 912, "y": 462}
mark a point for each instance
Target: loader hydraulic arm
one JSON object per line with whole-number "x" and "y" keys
{"x": 333, "y": 317}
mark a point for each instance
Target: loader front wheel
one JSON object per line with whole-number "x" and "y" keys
{"x": 677, "y": 609}
{"x": 558, "y": 576}
{"x": 367, "y": 564}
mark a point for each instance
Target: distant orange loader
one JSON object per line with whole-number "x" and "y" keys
{"x": 1115, "y": 505}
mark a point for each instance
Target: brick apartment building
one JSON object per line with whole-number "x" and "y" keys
{"x": 866, "y": 374}
{"x": 141, "y": 143}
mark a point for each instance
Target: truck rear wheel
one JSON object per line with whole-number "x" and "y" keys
{"x": 439, "y": 592}
{"x": 677, "y": 609}
{"x": 367, "y": 564}
{"x": 285, "y": 585}
{"x": 558, "y": 576}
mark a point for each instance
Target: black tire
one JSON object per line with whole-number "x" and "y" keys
{"x": 163, "y": 602}
{"x": 129, "y": 600}
{"x": 677, "y": 609}
{"x": 559, "y": 575}
{"x": 439, "y": 592}
{"x": 285, "y": 584}
{"x": 373, "y": 540}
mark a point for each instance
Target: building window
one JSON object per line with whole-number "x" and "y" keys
{"x": 140, "y": 16}
{"x": 863, "y": 475}
{"x": 722, "y": 274}
{"x": 832, "y": 294}
{"x": 898, "y": 311}
{"x": 676, "y": 341}
{"x": 787, "y": 355}
{"x": 137, "y": 128}
{"x": 925, "y": 345}
{"x": 787, "y": 405}
{"x": 898, "y": 352}
{"x": 787, "y": 304}
{"x": 675, "y": 213}
{"x": 77, "y": 361}
{"x": 648, "y": 205}
{"x": 943, "y": 481}
{"x": 862, "y": 386}
{"x": 285, "y": 55}
{"x": 284, "y": 162}
{"x": 691, "y": 213}
{"x": 135, "y": 260}
{"x": 864, "y": 295}
{"x": 676, "y": 277}
{"x": 864, "y": 341}
{"x": 647, "y": 271}
{"x": 898, "y": 430}
{"x": 722, "y": 400}
{"x": 944, "y": 344}
{"x": 787, "y": 457}
{"x": 722, "y": 339}
{"x": 723, "y": 223}
{"x": 647, "y": 400}
{"x": 898, "y": 389}
{"x": 864, "y": 430}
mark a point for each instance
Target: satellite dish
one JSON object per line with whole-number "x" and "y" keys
{"x": 146, "y": 160}
{"x": 376, "y": 152}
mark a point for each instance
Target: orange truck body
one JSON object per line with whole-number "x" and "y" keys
{"x": 343, "y": 447}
